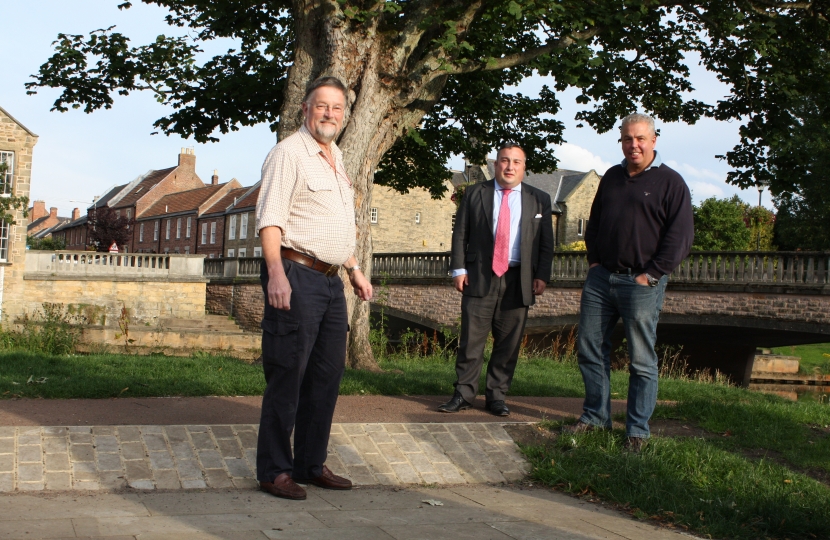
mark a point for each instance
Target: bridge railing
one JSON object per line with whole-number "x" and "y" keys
{"x": 735, "y": 267}
{"x": 88, "y": 264}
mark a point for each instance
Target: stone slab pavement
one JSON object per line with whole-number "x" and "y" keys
{"x": 376, "y": 513}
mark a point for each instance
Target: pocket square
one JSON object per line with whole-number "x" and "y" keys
{"x": 537, "y": 216}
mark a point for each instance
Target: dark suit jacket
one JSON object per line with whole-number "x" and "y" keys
{"x": 472, "y": 239}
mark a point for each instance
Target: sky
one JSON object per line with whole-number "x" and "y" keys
{"x": 81, "y": 155}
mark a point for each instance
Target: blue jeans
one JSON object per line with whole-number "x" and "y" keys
{"x": 605, "y": 298}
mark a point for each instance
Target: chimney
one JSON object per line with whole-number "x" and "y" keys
{"x": 53, "y": 213}
{"x": 215, "y": 178}
{"x": 76, "y": 214}
{"x": 187, "y": 159}
{"x": 38, "y": 210}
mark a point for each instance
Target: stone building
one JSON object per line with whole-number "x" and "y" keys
{"x": 241, "y": 235}
{"x": 211, "y": 225}
{"x": 572, "y": 193}
{"x": 171, "y": 224}
{"x": 17, "y": 143}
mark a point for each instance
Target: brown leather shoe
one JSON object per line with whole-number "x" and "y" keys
{"x": 329, "y": 480}
{"x": 634, "y": 445}
{"x": 284, "y": 487}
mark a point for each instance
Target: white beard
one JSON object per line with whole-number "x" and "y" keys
{"x": 325, "y": 132}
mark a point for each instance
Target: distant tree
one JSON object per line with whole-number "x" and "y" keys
{"x": 720, "y": 225}
{"x": 803, "y": 220}
{"x": 9, "y": 204}
{"x": 46, "y": 244}
{"x": 760, "y": 220}
{"x": 105, "y": 227}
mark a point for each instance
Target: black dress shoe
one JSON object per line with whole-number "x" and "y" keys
{"x": 455, "y": 404}
{"x": 498, "y": 408}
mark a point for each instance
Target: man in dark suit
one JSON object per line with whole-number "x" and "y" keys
{"x": 502, "y": 249}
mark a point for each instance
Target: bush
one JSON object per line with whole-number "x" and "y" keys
{"x": 579, "y": 245}
{"x": 51, "y": 331}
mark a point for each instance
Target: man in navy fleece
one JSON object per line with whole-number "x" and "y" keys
{"x": 640, "y": 229}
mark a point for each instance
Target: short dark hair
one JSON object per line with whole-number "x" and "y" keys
{"x": 333, "y": 82}
{"x": 510, "y": 144}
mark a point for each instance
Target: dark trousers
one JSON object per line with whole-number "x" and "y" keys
{"x": 303, "y": 355}
{"x": 502, "y": 312}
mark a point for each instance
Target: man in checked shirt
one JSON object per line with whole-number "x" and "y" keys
{"x": 305, "y": 218}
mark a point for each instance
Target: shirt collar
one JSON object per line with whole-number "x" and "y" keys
{"x": 654, "y": 164}
{"x": 499, "y": 188}
{"x": 313, "y": 147}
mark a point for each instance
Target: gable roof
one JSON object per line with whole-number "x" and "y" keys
{"x": 181, "y": 202}
{"x": 43, "y": 233}
{"x": 69, "y": 224}
{"x": 27, "y": 130}
{"x": 223, "y": 204}
{"x": 247, "y": 199}
{"x": 105, "y": 199}
{"x": 143, "y": 186}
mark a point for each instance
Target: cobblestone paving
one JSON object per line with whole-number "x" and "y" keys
{"x": 224, "y": 456}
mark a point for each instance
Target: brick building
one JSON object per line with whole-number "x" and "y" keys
{"x": 42, "y": 223}
{"x": 171, "y": 224}
{"x": 211, "y": 224}
{"x": 17, "y": 144}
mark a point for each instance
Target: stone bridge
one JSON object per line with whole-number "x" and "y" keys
{"x": 719, "y": 306}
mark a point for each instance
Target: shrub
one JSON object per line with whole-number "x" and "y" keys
{"x": 54, "y": 330}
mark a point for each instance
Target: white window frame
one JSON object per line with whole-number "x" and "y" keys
{"x": 167, "y": 229}
{"x": 243, "y": 252}
{"x": 453, "y": 223}
{"x": 187, "y": 230}
{"x": 4, "y": 241}
{"x": 373, "y": 215}
{"x": 232, "y": 228}
{"x": 417, "y": 218}
{"x": 243, "y": 226}
{"x": 231, "y": 253}
{"x": 141, "y": 233}
{"x": 178, "y": 228}
{"x": 580, "y": 227}
{"x": 213, "y": 232}
{"x": 204, "y": 233}
{"x": 156, "y": 230}
{"x": 7, "y": 183}
{"x": 257, "y": 252}
{"x": 187, "y": 250}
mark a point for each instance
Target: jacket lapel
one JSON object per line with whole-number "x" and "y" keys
{"x": 487, "y": 193}
{"x": 528, "y": 215}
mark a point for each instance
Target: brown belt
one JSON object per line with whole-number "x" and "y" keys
{"x": 311, "y": 262}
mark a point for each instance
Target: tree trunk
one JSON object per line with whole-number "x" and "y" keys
{"x": 327, "y": 43}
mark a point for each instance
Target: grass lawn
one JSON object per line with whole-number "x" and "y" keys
{"x": 813, "y": 357}
{"x": 759, "y": 466}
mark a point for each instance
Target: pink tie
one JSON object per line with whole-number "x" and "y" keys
{"x": 500, "y": 251}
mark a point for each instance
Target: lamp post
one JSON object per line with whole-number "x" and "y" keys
{"x": 758, "y": 219}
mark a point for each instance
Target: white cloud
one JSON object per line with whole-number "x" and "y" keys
{"x": 687, "y": 171}
{"x": 704, "y": 190}
{"x": 577, "y": 158}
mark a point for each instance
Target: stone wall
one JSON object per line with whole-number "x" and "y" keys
{"x": 575, "y": 207}
{"x": 15, "y": 138}
{"x": 243, "y": 300}
{"x": 396, "y": 230}
{"x": 147, "y": 300}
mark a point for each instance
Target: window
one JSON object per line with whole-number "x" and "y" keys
{"x": 256, "y": 232}
{"x": 232, "y": 229}
{"x": 178, "y": 228}
{"x": 230, "y": 253}
{"x": 373, "y": 215}
{"x": 417, "y": 218}
{"x": 166, "y": 251}
{"x": 156, "y": 231}
{"x": 167, "y": 230}
{"x": 187, "y": 250}
{"x": 204, "y": 233}
{"x": 129, "y": 213}
{"x": 4, "y": 241}
{"x": 6, "y": 179}
{"x": 257, "y": 252}
{"x": 213, "y": 233}
{"x": 453, "y": 222}
{"x": 243, "y": 252}
{"x": 187, "y": 231}
{"x": 176, "y": 250}
{"x": 210, "y": 256}
{"x": 118, "y": 213}
{"x": 243, "y": 226}
{"x": 141, "y": 233}
{"x": 580, "y": 227}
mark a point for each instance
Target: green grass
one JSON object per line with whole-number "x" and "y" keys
{"x": 815, "y": 357}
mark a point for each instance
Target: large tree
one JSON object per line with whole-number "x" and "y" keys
{"x": 431, "y": 77}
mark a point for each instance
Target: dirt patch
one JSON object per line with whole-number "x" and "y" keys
{"x": 530, "y": 434}
{"x": 666, "y": 427}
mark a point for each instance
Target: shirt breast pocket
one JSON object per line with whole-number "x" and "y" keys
{"x": 319, "y": 184}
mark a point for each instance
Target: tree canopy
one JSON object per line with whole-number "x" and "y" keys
{"x": 429, "y": 78}
{"x": 732, "y": 225}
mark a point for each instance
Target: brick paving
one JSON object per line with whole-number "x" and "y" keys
{"x": 54, "y": 458}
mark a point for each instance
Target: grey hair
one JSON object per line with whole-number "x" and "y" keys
{"x": 636, "y": 118}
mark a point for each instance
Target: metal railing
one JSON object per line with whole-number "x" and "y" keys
{"x": 724, "y": 267}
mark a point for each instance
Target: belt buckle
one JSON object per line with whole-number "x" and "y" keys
{"x": 332, "y": 270}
